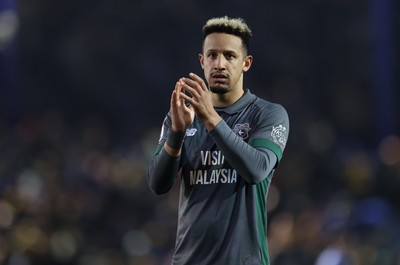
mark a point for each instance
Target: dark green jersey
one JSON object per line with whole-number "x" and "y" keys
{"x": 225, "y": 177}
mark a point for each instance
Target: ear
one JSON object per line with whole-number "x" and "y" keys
{"x": 201, "y": 59}
{"x": 247, "y": 63}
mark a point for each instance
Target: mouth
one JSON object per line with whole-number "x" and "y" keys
{"x": 219, "y": 77}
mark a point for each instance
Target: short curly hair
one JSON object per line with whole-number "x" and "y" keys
{"x": 233, "y": 26}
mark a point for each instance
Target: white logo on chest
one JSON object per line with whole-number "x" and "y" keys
{"x": 191, "y": 132}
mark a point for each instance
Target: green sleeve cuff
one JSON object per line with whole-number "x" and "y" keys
{"x": 267, "y": 144}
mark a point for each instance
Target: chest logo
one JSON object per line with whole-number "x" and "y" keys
{"x": 242, "y": 130}
{"x": 279, "y": 135}
{"x": 191, "y": 132}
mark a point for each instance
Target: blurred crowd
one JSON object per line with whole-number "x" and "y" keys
{"x": 84, "y": 89}
{"x": 76, "y": 196}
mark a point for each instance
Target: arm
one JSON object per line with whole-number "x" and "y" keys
{"x": 162, "y": 172}
{"x": 253, "y": 164}
{"x": 164, "y": 166}
{"x": 256, "y": 159}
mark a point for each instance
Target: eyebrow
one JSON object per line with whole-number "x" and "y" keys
{"x": 223, "y": 51}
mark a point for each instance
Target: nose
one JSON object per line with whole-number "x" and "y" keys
{"x": 219, "y": 63}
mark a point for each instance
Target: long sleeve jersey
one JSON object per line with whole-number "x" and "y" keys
{"x": 225, "y": 175}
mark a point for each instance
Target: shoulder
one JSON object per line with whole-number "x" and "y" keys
{"x": 269, "y": 108}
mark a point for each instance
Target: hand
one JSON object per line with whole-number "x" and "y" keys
{"x": 200, "y": 100}
{"x": 182, "y": 116}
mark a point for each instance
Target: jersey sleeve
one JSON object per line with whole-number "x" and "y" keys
{"x": 272, "y": 130}
{"x": 255, "y": 160}
{"x": 163, "y": 168}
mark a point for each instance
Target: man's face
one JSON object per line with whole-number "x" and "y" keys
{"x": 223, "y": 62}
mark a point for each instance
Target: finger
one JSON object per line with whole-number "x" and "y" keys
{"x": 175, "y": 99}
{"x": 199, "y": 80}
{"x": 190, "y": 87}
{"x": 186, "y": 98}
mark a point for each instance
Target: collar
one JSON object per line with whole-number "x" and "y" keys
{"x": 240, "y": 104}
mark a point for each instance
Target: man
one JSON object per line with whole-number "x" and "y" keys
{"x": 224, "y": 143}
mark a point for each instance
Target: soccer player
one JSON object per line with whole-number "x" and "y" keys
{"x": 224, "y": 143}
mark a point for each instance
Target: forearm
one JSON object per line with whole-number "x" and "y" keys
{"x": 252, "y": 164}
{"x": 162, "y": 172}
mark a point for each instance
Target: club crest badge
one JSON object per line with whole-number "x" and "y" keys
{"x": 279, "y": 135}
{"x": 242, "y": 130}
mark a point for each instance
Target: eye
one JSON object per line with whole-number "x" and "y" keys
{"x": 212, "y": 55}
{"x": 230, "y": 56}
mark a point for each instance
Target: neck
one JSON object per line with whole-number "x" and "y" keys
{"x": 227, "y": 99}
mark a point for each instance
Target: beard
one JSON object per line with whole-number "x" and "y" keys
{"x": 219, "y": 90}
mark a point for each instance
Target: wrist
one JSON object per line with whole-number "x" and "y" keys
{"x": 175, "y": 139}
{"x": 211, "y": 122}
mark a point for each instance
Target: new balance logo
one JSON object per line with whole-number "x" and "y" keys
{"x": 191, "y": 131}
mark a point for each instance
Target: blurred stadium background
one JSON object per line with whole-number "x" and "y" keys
{"x": 85, "y": 85}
